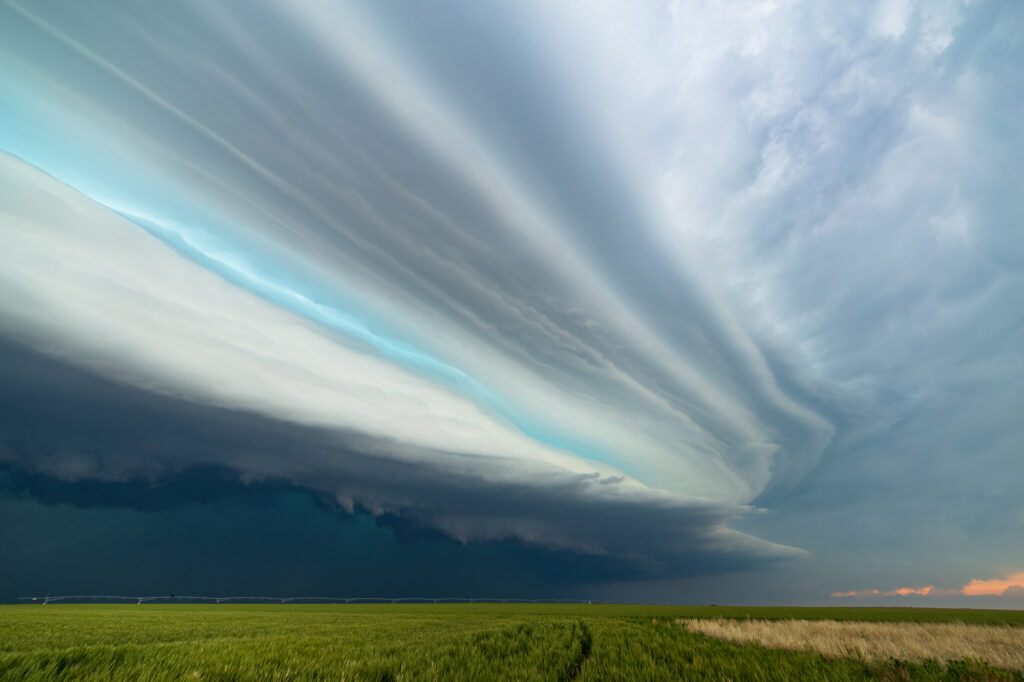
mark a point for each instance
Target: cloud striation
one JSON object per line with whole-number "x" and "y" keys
{"x": 600, "y": 290}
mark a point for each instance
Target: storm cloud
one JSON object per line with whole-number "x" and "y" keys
{"x": 593, "y": 279}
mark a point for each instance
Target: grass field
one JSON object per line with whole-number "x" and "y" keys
{"x": 1000, "y": 645}
{"x": 413, "y": 642}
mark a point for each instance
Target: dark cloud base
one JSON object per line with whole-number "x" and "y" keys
{"x": 110, "y": 488}
{"x": 268, "y": 540}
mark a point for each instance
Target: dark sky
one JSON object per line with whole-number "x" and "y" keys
{"x": 673, "y": 303}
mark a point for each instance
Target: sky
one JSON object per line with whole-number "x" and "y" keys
{"x": 691, "y": 302}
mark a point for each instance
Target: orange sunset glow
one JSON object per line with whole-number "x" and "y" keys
{"x": 1011, "y": 584}
{"x": 995, "y": 586}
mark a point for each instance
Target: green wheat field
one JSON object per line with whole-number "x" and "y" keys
{"x": 440, "y": 642}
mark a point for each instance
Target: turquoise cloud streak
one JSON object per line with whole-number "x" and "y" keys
{"x": 253, "y": 269}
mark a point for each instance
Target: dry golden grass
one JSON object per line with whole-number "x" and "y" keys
{"x": 999, "y": 646}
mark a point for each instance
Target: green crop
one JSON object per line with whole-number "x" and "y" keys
{"x": 434, "y": 642}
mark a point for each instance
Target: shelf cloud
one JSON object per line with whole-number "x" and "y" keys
{"x": 592, "y": 278}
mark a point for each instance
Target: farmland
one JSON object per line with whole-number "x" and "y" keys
{"x": 443, "y": 641}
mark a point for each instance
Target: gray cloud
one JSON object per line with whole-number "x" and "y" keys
{"x": 553, "y": 307}
{"x": 712, "y": 255}
{"x": 74, "y": 427}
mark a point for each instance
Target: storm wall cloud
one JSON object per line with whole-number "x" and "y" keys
{"x": 603, "y": 280}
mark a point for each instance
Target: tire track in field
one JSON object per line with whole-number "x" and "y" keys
{"x": 586, "y": 642}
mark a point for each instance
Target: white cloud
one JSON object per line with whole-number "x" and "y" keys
{"x": 90, "y": 288}
{"x": 83, "y": 283}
